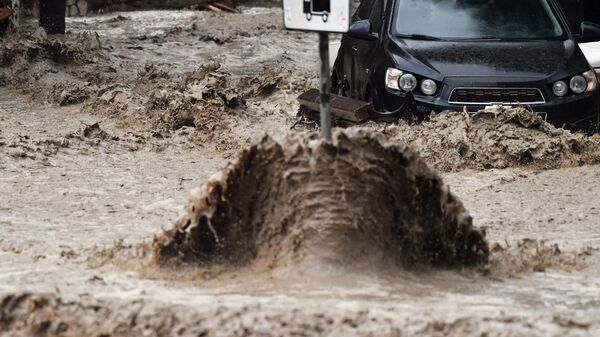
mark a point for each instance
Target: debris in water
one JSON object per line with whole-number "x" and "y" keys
{"x": 530, "y": 255}
{"x": 499, "y": 138}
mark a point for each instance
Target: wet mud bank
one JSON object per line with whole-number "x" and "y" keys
{"x": 358, "y": 202}
{"x": 26, "y": 314}
{"x": 495, "y": 139}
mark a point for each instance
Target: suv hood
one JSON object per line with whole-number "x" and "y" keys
{"x": 531, "y": 59}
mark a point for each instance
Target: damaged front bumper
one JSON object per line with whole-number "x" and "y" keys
{"x": 581, "y": 112}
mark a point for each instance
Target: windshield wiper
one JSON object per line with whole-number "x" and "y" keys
{"x": 420, "y": 37}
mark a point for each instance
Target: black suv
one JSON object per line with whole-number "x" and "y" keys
{"x": 411, "y": 57}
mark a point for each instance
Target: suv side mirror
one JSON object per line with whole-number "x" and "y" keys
{"x": 361, "y": 29}
{"x": 590, "y": 32}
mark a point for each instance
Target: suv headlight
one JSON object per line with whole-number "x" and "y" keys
{"x": 408, "y": 82}
{"x": 428, "y": 87}
{"x": 578, "y": 84}
{"x": 592, "y": 80}
{"x": 397, "y": 79}
{"x": 560, "y": 88}
{"x": 392, "y": 78}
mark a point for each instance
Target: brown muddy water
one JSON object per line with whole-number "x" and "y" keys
{"x": 103, "y": 138}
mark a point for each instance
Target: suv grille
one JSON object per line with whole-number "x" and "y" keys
{"x": 496, "y": 96}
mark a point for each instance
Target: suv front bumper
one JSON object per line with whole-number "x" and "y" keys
{"x": 575, "y": 112}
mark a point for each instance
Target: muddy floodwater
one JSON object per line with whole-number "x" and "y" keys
{"x": 103, "y": 135}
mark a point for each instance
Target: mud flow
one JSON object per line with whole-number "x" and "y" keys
{"x": 358, "y": 202}
{"x": 494, "y": 139}
{"x": 463, "y": 225}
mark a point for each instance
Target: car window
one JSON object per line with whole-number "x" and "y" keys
{"x": 473, "y": 19}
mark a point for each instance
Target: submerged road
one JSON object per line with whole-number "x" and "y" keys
{"x": 63, "y": 198}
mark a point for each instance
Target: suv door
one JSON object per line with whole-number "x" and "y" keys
{"x": 346, "y": 55}
{"x": 362, "y": 51}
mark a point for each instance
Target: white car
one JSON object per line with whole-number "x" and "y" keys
{"x": 592, "y": 53}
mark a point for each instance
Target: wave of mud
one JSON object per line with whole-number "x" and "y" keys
{"x": 359, "y": 201}
{"x": 225, "y": 108}
{"x": 32, "y": 62}
{"x": 532, "y": 256}
{"x": 499, "y": 138}
{"x": 30, "y": 48}
{"x": 239, "y": 26}
{"x": 203, "y": 97}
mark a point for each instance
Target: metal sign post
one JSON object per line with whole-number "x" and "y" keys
{"x": 323, "y": 16}
{"x": 325, "y": 86}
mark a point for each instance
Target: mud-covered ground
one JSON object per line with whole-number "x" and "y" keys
{"x": 104, "y": 133}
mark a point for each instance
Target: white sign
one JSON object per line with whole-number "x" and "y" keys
{"x": 317, "y": 15}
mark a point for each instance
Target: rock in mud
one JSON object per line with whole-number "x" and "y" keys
{"x": 497, "y": 138}
{"x": 359, "y": 202}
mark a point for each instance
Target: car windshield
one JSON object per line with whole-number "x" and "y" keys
{"x": 476, "y": 19}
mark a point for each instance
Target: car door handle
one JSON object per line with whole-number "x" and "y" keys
{"x": 355, "y": 49}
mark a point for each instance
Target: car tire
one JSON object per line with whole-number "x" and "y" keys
{"x": 336, "y": 86}
{"x": 369, "y": 98}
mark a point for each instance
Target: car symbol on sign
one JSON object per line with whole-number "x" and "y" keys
{"x": 320, "y": 8}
